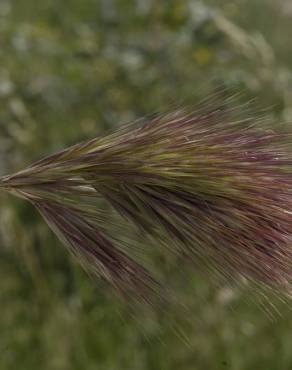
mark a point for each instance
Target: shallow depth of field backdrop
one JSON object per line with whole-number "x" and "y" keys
{"x": 70, "y": 70}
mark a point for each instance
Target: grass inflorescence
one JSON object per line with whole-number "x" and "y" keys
{"x": 211, "y": 184}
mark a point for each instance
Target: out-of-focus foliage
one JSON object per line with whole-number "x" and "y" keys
{"x": 69, "y": 70}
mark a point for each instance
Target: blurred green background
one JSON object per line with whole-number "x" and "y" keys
{"x": 70, "y": 70}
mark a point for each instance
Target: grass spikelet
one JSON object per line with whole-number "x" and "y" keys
{"x": 213, "y": 183}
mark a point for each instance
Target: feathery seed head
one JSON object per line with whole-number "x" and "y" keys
{"x": 215, "y": 182}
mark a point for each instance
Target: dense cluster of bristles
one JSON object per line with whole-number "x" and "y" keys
{"x": 216, "y": 181}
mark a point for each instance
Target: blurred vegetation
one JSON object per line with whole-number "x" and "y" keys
{"x": 69, "y": 71}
